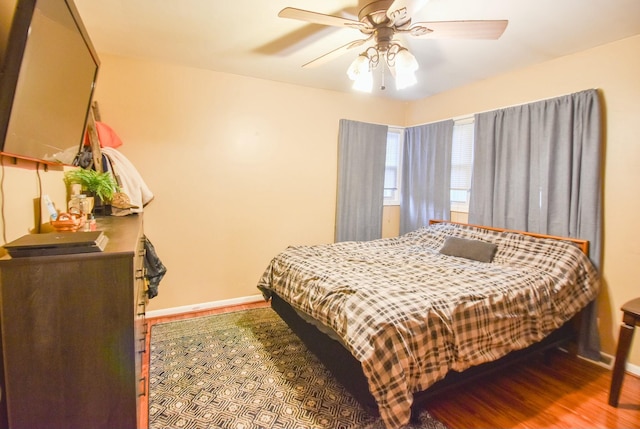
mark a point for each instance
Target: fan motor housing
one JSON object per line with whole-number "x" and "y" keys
{"x": 384, "y": 36}
{"x": 375, "y": 12}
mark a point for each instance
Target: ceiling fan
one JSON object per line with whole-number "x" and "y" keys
{"x": 380, "y": 21}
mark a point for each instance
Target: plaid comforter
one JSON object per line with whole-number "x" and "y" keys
{"x": 410, "y": 314}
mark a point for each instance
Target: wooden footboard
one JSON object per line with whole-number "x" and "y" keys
{"x": 582, "y": 244}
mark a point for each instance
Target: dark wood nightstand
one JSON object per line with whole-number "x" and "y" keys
{"x": 631, "y": 318}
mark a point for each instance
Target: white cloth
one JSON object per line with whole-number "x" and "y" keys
{"x": 130, "y": 180}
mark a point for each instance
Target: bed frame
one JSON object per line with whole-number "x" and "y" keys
{"x": 348, "y": 371}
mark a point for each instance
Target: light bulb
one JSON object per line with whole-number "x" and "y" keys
{"x": 405, "y": 79}
{"x": 364, "y": 82}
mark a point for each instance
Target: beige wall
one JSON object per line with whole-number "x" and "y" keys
{"x": 22, "y": 184}
{"x": 242, "y": 168}
{"x": 615, "y": 70}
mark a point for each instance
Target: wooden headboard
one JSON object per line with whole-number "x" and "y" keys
{"x": 582, "y": 244}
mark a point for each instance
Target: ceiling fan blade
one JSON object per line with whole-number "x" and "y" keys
{"x": 401, "y": 11}
{"x": 487, "y": 29}
{"x": 320, "y": 18}
{"x": 336, "y": 53}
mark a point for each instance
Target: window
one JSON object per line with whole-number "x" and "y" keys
{"x": 461, "y": 164}
{"x": 393, "y": 167}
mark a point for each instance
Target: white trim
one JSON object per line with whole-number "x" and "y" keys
{"x": 464, "y": 119}
{"x": 629, "y": 367}
{"x": 204, "y": 306}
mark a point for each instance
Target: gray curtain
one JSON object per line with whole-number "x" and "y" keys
{"x": 362, "y": 150}
{"x": 426, "y": 175}
{"x": 537, "y": 167}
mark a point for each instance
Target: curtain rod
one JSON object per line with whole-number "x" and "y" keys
{"x": 471, "y": 115}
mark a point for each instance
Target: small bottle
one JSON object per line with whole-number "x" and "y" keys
{"x": 85, "y": 207}
{"x": 90, "y": 225}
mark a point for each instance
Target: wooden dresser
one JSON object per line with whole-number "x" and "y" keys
{"x": 73, "y": 334}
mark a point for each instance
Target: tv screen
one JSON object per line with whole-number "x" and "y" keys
{"x": 47, "y": 82}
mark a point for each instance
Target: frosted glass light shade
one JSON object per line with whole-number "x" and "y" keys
{"x": 405, "y": 61}
{"x": 360, "y": 73}
{"x": 359, "y": 66}
{"x": 406, "y": 66}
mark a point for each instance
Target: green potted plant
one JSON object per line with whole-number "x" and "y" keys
{"x": 102, "y": 186}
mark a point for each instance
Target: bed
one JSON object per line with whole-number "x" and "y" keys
{"x": 398, "y": 320}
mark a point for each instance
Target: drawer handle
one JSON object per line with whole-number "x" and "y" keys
{"x": 143, "y": 349}
{"x": 143, "y": 391}
{"x": 142, "y": 312}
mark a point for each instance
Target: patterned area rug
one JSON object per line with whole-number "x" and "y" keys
{"x": 246, "y": 370}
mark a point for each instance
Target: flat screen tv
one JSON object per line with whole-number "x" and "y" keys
{"x": 47, "y": 80}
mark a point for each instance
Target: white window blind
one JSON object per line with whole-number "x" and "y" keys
{"x": 393, "y": 166}
{"x": 461, "y": 164}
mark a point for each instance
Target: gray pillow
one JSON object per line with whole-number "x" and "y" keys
{"x": 471, "y": 249}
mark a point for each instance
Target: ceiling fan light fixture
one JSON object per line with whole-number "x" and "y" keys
{"x": 380, "y": 21}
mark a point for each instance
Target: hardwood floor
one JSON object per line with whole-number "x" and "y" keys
{"x": 561, "y": 392}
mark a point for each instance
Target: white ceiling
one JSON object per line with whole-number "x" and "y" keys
{"x": 246, "y": 37}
